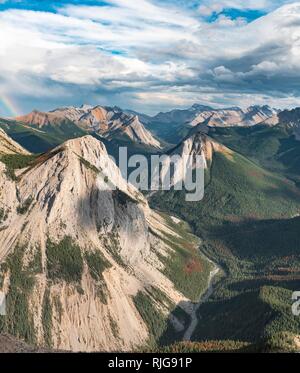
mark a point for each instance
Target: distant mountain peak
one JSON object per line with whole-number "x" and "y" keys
{"x": 291, "y": 120}
{"x": 235, "y": 116}
{"x": 106, "y": 121}
{"x": 86, "y": 107}
{"x": 201, "y": 107}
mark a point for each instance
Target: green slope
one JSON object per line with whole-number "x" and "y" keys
{"x": 41, "y": 140}
{"x": 273, "y": 147}
{"x": 236, "y": 189}
{"x": 248, "y": 225}
{"x": 171, "y": 132}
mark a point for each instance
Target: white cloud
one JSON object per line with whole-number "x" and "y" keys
{"x": 127, "y": 12}
{"x": 208, "y": 7}
{"x": 151, "y": 55}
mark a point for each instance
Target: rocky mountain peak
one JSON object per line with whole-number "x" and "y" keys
{"x": 91, "y": 245}
{"x": 105, "y": 121}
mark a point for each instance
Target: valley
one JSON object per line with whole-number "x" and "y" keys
{"x": 253, "y": 234}
{"x": 86, "y": 268}
{"x": 150, "y": 180}
{"x": 195, "y": 317}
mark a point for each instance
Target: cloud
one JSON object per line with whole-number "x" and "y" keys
{"x": 127, "y": 12}
{"x": 209, "y": 7}
{"x": 150, "y": 55}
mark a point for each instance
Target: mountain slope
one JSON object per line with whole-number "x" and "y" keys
{"x": 105, "y": 121}
{"x": 40, "y": 140}
{"x": 8, "y": 146}
{"x": 232, "y": 117}
{"x": 53, "y": 124}
{"x": 276, "y": 147}
{"x": 248, "y": 186}
{"x": 87, "y": 268}
{"x": 113, "y": 123}
{"x": 173, "y": 126}
{"x": 248, "y": 224}
{"x": 291, "y": 120}
{"x": 9, "y": 344}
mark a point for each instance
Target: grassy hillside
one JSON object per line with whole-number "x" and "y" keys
{"x": 41, "y": 140}
{"x": 188, "y": 270}
{"x": 248, "y": 222}
{"x": 237, "y": 190}
{"x": 170, "y": 132}
{"x": 15, "y": 162}
{"x": 273, "y": 147}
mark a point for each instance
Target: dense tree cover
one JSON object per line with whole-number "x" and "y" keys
{"x": 19, "y": 319}
{"x": 187, "y": 269}
{"x": 273, "y": 147}
{"x": 37, "y": 141}
{"x": 64, "y": 260}
{"x": 15, "y": 162}
{"x": 248, "y": 224}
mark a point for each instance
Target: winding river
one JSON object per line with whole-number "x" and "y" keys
{"x": 194, "y": 317}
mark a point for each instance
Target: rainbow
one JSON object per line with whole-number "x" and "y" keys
{"x": 9, "y": 106}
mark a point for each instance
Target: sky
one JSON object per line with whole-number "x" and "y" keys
{"x": 148, "y": 55}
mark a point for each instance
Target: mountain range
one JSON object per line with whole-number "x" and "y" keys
{"x": 172, "y": 126}
{"x": 84, "y": 258}
{"x": 109, "y": 123}
{"x": 88, "y": 267}
{"x": 40, "y": 131}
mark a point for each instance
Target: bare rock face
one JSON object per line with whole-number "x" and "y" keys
{"x": 39, "y": 119}
{"x": 199, "y": 144}
{"x": 194, "y": 152}
{"x": 107, "y": 122}
{"x": 235, "y": 116}
{"x": 291, "y": 120}
{"x": 76, "y": 251}
{"x": 8, "y": 146}
{"x": 110, "y": 123}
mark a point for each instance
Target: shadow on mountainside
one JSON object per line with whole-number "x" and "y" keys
{"x": 177, "y": 323}
{"x": 260, "y": 240}
{"x": 246, "y": 306}
{"x": 253, "y": 309}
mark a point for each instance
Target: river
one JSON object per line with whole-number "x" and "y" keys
{"x": 204, "y": 298}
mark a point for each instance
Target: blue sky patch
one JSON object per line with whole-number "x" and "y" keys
{"x": 250, "y": 15}
{"x": 46, "y": 5}
{"x": 147, "y": 55}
